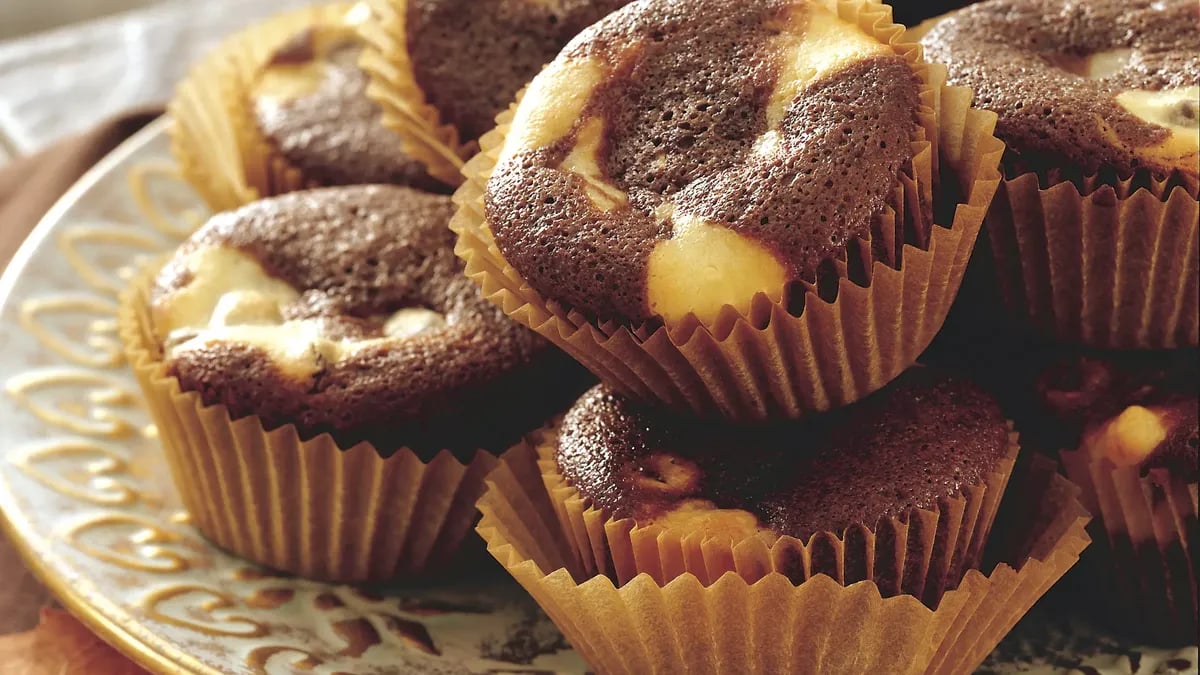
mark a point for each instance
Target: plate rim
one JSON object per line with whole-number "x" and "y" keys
{"x": 90, "y": 609}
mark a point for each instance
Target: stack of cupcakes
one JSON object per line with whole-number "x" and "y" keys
{"x": 330, "y": 388}
{"x": 1093, "y": 241}
{"x": 749, "y": 219}
{"x": 726, "y": 210}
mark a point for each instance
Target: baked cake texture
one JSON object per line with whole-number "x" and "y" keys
{"x": 344, "y": 310}
{"x": 1104, "y": 84}
{"x": 678, "y": 157}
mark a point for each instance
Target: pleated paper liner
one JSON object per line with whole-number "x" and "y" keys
{"x": 1148, "y": 533}
{"x": 406, "y": 110}
{"x": 306, "y": 507}
{"x": 215, "y": 135}
{"x": 1098, "y": 260}
{"x": 771, "y": 624}
{"x": 922, "y": 554}
{"x": 769, "y": 363}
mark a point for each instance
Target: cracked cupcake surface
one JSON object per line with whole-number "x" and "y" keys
{"x": 344, "y": 310}
{"x": 309, "y": 101}
{"x": 921, "y": 441}
{"x": 1105, "y": 84}
{"x": 674, "y": 160}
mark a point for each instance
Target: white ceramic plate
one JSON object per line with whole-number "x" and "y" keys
{"x": 87, "y": 496}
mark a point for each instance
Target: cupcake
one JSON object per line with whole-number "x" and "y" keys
{"x": 1075, "y": 391}
{"x": 1094, "y": 229}
{"x": 309, "y": 361}
{"x": 1133, "y": 421}
{"x": 728, "y": 209}
{"x": 444, "y": 69}
{"x": 924, "y": 461}
{"x": 283, "y": 107}
{"x": 849, "y": 542}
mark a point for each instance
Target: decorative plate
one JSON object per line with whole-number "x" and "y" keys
{"x": 88, "y": 499}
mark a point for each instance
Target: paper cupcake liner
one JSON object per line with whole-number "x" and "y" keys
{"x": 1148, "y": 530}
{"x": 406, "y": 110}
{"x": 768, "y": 363}
{"x": 306, "y": 507}
{"x": 215, "y": 135}
{"x": 1098, "y": 261}
{"x": 922, "y": 555}
{"x": 772, "y": 625}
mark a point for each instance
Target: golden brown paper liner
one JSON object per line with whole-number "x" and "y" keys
{"x": 306, "y": 507}
{"x": 923, "y": 556}
{"x": 1101, "y": 262}
{"x": 215, "y": 135}
{"x": 772, "y": 625}
{"x": 1148, "y": 531}
{"x": 768, "y": 363}
{"x": 406, "y": 110}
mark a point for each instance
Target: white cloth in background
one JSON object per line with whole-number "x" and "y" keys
{"x": 66, "y": 80}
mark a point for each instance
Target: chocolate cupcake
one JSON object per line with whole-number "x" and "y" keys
{"x": 1094, "y": 230}
{"x": 309, "y": 361}
{"x": 311, "y": 105}
{"x": 1135, "y": 424}
{"x": 900, "y": 489}
{"x": 283, "y": 107}
{"x": 726, "y": 208}
{"x": 1079, "y": 391}
{"x": 850, "y": 542}
{"x": 444, "y": 69}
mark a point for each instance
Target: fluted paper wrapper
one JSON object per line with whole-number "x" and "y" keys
{"x": 214, "y": 133}
{"x": 768, "y": 363}
{"x": 306, "y": 507}
{"x": 922, "y": 555}
{"x": 1148, "y": 532}
{"x": 1104, "y": 263}
{"x": 773, "y": 625}
{"x": 406, "y": 110}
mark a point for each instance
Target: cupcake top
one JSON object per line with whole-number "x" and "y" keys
{"x": 345, "y": 310}
{"x": 684, "y": 155}
{"x": 310, "y": 103}
{"x": 471, "y": 57}
{"x": 1101, "y": 84}
{"x": 1134, "y": 410}
{"x": 924, "y": 439}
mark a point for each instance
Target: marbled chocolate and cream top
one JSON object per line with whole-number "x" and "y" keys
{"x": 310, "y": 103}
{"x": 684, "y": 155}
{"x": 471, "y": 57}
{"x": 1102, "y": 84}
{"x": 345, "y": 310}
{"x": 1132, "y": 409}
{"x": 923, "y": 439}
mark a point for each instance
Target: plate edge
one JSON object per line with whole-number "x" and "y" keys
{"x": 142, "y": 652}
